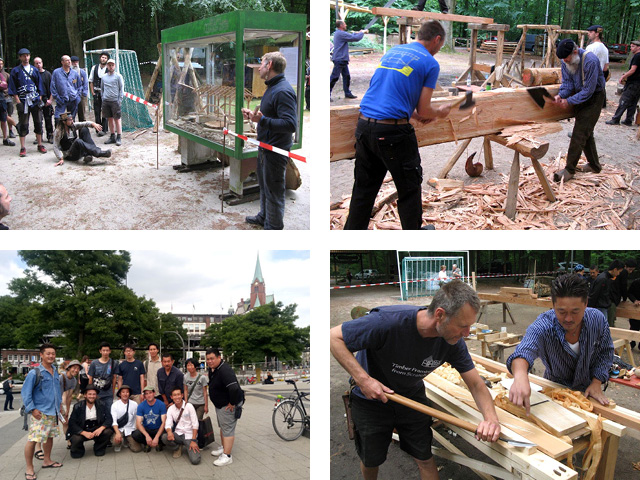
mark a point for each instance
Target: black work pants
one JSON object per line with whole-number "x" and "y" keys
{"x": 97, "y": 108}
{"x": 99, "y": 444}
{"x": 23, "y": 119}
{"x": 340, "y": 68}
{"x": 444, "y": 8}
{"x": 628, "y": 102}
{"x": 139, "y": 437}
{"x": 587, "y": 115}
{"x": 381, "y": 148}
{"x": 47, "y": 115}
{"x": 8, "y": 403}
{"x": 83, "y": 146}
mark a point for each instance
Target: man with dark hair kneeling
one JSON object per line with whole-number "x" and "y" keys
{"x": 182, "y": 428}
{"x": 72, "y": 141}
{"x": 90, "y": 420}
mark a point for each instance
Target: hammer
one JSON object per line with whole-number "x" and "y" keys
{"x": 467, "y": 99}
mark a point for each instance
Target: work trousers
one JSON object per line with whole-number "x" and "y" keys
{"x": 23, "y": 119}
{"x": 381, "y": 148}
{"x": 99, "y": 444}
{"x": 628, "y": 102}
{"x": 180, "y": 440}
{"x": 83, "y": 146}
{"x": 70, "y": 106}
{"x": 8, "y": 402}
{"x": 97, "y": 109}
{"x": 81, "y": 107}
{"x": 587, "y": 115}
{"x": 444, "y": 8}
{"x": 47, "y": 114}
{"x": 271, "y": 172}
{"x": 341, "y": 68}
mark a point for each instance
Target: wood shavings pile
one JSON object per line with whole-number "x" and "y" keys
{"x": 449, "y": 373}
{"x": 587, "y": 202}
{"x": 568, "y": 398}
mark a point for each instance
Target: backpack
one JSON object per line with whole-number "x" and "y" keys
{"x": 22, "y": 409}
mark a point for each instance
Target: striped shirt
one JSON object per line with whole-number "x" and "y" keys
{"x": 545, "y": 340}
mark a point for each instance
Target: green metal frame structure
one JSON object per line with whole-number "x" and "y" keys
{"x": 236, "y": 23}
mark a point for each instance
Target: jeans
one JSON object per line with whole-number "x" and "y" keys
{"x": 587, "y": 115}
{"x": 381, "y": 148}
{"x": 340, "y": 68}
{"x": 71, "y": 106}
{"x": 271, "y": 172}
{"x": 81, "y": 147}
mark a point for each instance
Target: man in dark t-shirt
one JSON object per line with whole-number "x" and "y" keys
{"x": 397, "y": 347}
{"x": 131, "y": 372}
{"x": 631, "y": 93}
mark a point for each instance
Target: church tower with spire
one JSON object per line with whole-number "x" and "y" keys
{"x": 258, "y": 290}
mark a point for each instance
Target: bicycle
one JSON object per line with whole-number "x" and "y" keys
{"x": 290, "y": 417}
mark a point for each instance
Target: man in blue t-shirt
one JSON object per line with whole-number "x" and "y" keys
{"x": 397, "y": 347}
{"x": 131, "y": 372}
{"x": 150, "y": 420}
{"x": 340, "y": 57}
{"x": 400, "y": 89}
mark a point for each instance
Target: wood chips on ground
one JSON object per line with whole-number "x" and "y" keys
{"x": 589, "y": 201}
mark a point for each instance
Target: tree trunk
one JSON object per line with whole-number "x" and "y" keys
{"x": 568, "y": 14}
{"x": 7, "y": 47}
{"x": 101, "y": 27}
{"x": 73, "y": 28}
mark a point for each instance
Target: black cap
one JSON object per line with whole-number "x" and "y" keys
{"x": 595, "y": 28}
{"x": 565, "y": 48}
{"x": 23, "y": 51}
{"x": 106, "y": 53}
{"x": 92, "y": 387}
{"x": 74, "y": 58}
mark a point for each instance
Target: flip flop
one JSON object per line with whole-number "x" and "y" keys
{"x": 30, "y": 476}
{"x": 53, "y": 465}
{"x": 39, "y": 455}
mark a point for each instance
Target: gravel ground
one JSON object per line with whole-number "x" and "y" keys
{"x": 617, "y": 145}
{"x": 344, "y": 460}
{"x": 127, "y": 192}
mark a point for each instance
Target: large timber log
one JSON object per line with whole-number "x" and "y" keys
{"x": 397, "y": 12}
{"x": 541, "y": 76}
{"x": 494, "y": 110}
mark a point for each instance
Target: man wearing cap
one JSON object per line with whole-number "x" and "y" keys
{"x": 83, "y": 89}
{"x": 631, "y": 92}
{"x": 583, "y": 90}
{"x": 47, "y": 109}
{"x": 601, "y": 51}
{"x": 65, "y": 88}
{"x": 150, "y": 420}
{"x": 112, "y": 95}
{"x": 123, "y": 417}
{"x": 68, "y": 384}
{"x": 72, "y": 141}
{"x": 25, "y": 85}
{"x": 182, "y": 428}
{"x": 95, "y": 84}
{"x": 90, "y": 420}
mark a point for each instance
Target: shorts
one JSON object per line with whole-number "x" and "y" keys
{"x": 226, "y": 421}
{"x": 111, "y": 109}
{"x": 3, "y": 109}
{"x": 43, "y": 429}
{"x": 374, "y": 423}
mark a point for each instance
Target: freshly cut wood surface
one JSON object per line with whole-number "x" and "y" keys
{"x": 541, "y": 76}
{"x": 397, "y": 12}
{"x": 494, "y": 111}
{"x": 553, "y": 416}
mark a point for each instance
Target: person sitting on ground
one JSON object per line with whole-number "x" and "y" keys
{"x": 269, "y": 379}
{"x": 90, "y": 420}
{"x": 72, "y": 141}
{"x": 150, "y": 421}
{"x": 123, "y": 418}
{"x": 182, "y": 428}
{"x": 572, "y": 340}
{"x": 5, "y": 205}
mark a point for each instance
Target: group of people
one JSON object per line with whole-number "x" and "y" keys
{"x": 34, "y": 91}
{"x": 397, "y": 346}
{"x": 140, "y": 405}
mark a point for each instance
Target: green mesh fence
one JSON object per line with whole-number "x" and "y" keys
{"x": 134, "y": 115}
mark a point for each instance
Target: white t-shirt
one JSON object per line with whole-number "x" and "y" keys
{"x": 118, "y": 409}
{"x": 600, "y": 51}
{"x": 442, "y": 275}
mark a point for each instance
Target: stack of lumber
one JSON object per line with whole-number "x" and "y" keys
{"x": 517, "y": 292}
{"x": 589, "y": 201}
{"x": 490, "y": 46}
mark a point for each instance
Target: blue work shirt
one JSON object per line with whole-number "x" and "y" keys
{"x": 572, "y": 87}
{"x": 545, "y": 340}
{"x": 341, "y": 39}
{"x": 65, "y": 87}
{"x": 397, "y": 83}
{"x": 83, "y": 88}
{"x": 46, "y": 397}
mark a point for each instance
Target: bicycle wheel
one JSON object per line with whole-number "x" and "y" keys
{"x": 288, "y": 420}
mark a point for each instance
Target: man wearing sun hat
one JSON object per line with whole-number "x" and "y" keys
{"x": 582, "y": 90}
{"x": 89, "y": 420}
{"x": 123, "y": 417}
{"x": 72, "y": 141}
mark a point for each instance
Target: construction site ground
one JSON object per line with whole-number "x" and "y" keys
{"x": 127, "y": 192}
{"x": 344, "y": 460}
{"x": 617, "y": 145}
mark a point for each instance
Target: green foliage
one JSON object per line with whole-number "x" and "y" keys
{"x": 267, "y": 331}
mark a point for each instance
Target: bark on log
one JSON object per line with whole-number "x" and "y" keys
{"x": 494, "y": 110}
{"x": 541, "y": 76}
{"x": 397, "y": 12}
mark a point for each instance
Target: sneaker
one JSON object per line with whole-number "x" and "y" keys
{"x": 112, "y": 139}
{"x": 8, "y": 143}
{"x": 102, "y": 133}
{"x": 23, "y": 152}
{"x": 255, "y": 220}
{"x": 612, "y": 122}
{"x": 42, "y": 149}
{"x": 217, "y": 452}
{"x": 87, "y": 159}
{"x": 178, "y": 452}
{"x": 118, "y": 447}
{"x": 223, "y": 460}
{"x": 118, "y": 140}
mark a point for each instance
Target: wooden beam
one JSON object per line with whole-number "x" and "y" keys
{"x": 396, "y": 12}
{"x": 491, "y": 27}
{"x": 541, "y": 76}
{"x": 622, "y": 333}
{"x": 539, "y": 27}
{"x": 456, "y": 455}
{"x": 494, "y": 110}
{"x": 488, "y": 154}
{"x": 524, "y": 147}
{"x": 544, "y": 181}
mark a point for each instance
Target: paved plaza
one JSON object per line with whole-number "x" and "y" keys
{"x": 258, "y": 453}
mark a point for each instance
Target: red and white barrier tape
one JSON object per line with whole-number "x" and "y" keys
{"x": 140, "y": 100}
{"x": 438, "y": 279}
{"x": 266, "y": 146}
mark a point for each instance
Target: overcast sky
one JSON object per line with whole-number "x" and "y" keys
{"x": 210, "y": 281}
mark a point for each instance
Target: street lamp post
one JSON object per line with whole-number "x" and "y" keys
{"x": 182, "y": 340}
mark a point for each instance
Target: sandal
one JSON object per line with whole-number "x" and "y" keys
{"x": 30, "y": 476}
{"x": 52, "y": 465}
{"x": 39, "y": 455}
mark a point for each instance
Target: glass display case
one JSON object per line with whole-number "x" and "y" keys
{"x": 210, "y": 72}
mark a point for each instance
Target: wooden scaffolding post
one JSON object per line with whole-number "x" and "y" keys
{"x": 512, "y": 192}
{"x": 147, "y": 94}
{"x": 488, "y": 154}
